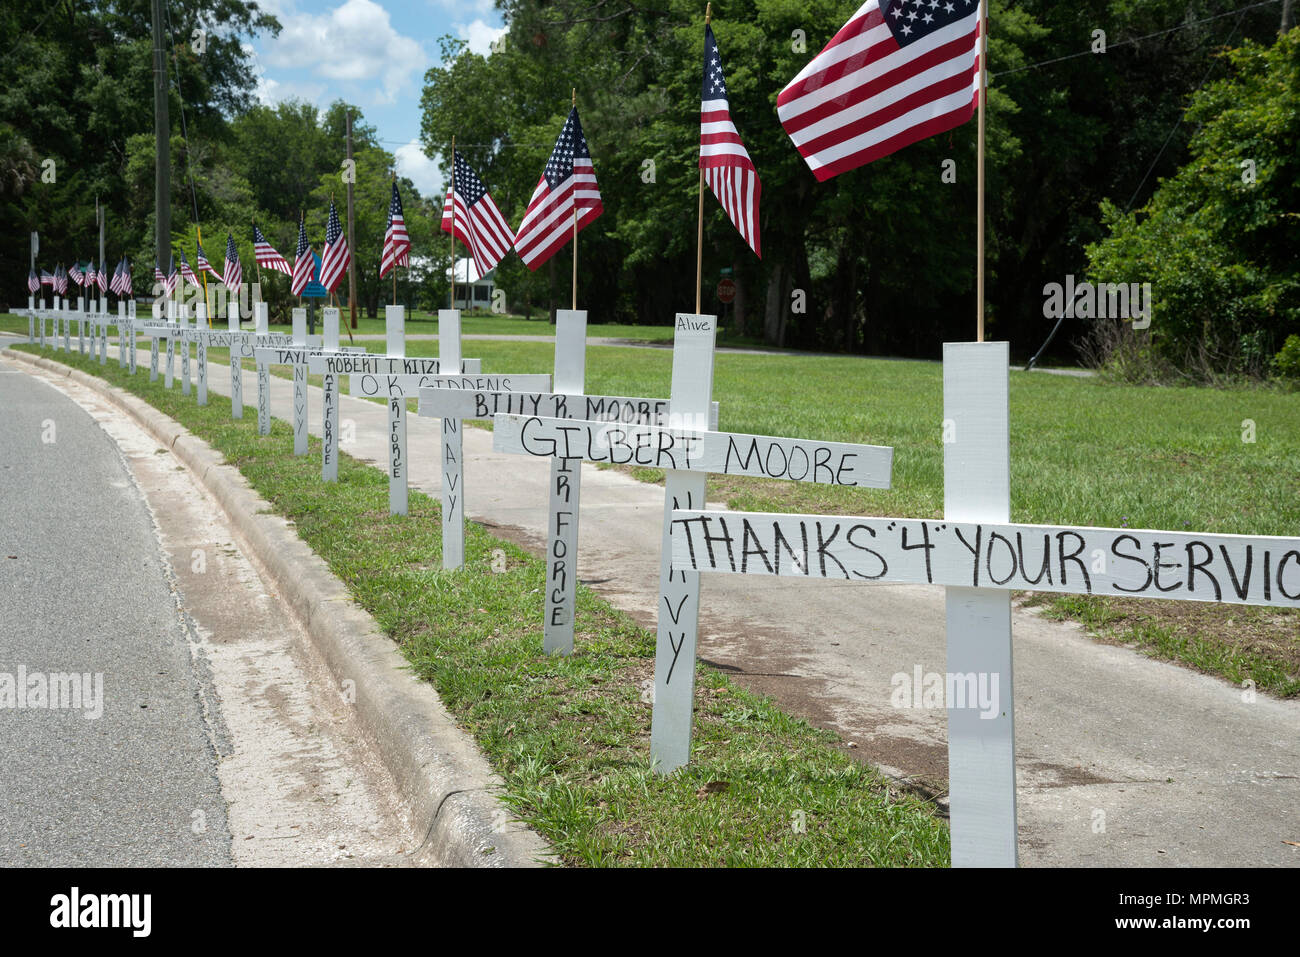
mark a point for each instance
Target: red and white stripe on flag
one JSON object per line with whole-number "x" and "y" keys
{"x": 727, "y": 167}
{"x": 481, "y": 227}
{"x": 568, "y": 182}
{"x": 899, "y": 71}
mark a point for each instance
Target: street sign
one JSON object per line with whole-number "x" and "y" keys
{"x": 726, "y": 290}
{"x": 314, "y": 289}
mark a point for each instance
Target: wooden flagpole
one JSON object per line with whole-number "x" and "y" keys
{"x": 394, "y": 258}
{"x": 207, "y": 303}
{"x": 699, "y": 233}
{"x": 979, "y": 213}
{"x": 452, "y": 199}
{"x": 575, "y": 225}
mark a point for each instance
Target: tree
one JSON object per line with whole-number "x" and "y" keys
{"x": 1219, "y": 240}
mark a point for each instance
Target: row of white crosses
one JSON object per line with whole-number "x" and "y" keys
{"x": 568, "y": 401}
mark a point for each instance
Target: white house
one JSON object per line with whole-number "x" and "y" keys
{"x": 472, "y": 290}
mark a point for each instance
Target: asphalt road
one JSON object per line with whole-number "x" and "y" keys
{"x": 84, "y": 590}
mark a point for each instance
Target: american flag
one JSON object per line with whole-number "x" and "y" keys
{"x": 158, "y": 276}
{"x": 77, "y": 275}
{"x": 47, "y": 278}
{"x": 334, "y": 261}
{"x": 61, "y": 280}
{"x": 201, "y": 263}
{"x": 726, "y": 164}
{"x": 90, "y": 277}
{"x": 115, "y": 284}
{"x": 189, "y": 273}
{"x": 479, "y": 224}
{"x": 33, "y": 282}
{"x": 897, "y": 72}
{"x": 568, "y": 181}
{"x": 102, "y": 278}
{"x": 265, "y": 253}
{"x": 304, "y": 264}
{"x": 397, "y": 244}
{"x": 173, "y": 277}
{"x": 233, "y": 277}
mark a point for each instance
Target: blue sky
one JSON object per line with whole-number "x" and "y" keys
{"x": 372, "y": 53}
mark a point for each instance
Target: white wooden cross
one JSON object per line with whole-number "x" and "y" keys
{"x": 980, "y": 557}
{"x": 67, "y": 325}
{"x": 131, "y": 313}
{"x": 294, "y": 355}
{"x": 688, "y": 455}
{"x": 568, "y": 401}
{"x": 81, "y": 323}
{"x": 395, "y": 378}
{"x": 31, "y": 320}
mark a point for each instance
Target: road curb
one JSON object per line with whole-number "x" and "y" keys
{"x": 440, "y": 772}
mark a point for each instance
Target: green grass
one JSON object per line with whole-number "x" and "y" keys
{"x": 1083, "y": 452}
{"x": 570, "y": 736}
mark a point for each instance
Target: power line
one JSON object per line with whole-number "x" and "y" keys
{"x": 1133, "y": 40}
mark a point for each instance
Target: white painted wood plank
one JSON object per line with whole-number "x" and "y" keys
{"x": 479, "y": 404}
{"x": 387, "y": 386}
{"x": 1076, "y": 560}
{"x": 452, "y": 451}
{"x": 395, "y": 322}
{"x": 565, "y": 493}
{"x": 330, "y": 399}
{"x": 977, "y": 487}
{"x": 727, "y": 453}
{"x": 236, "y": 363}
{"x": 678, "y": 612}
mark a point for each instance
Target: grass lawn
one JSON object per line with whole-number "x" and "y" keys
{"x": 570, "y": 736}
{"x": 1083, "y": 452}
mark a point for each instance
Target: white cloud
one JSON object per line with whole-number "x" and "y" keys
{"x": 481, "y": 7}
{"x": 479, "y": 35}
{"x": 419, "y": 169}
{"x": 354, "y": 42}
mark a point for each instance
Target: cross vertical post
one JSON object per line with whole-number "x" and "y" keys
{"x": 395, "y": 323}
{"x": 261, "y": 327}
{"x": 169, "y": 378}
{"x": 330, "y": 400}
{"x": 977, "y": 488}
{"x": 236, "y": 361}
{"x": 300, "y": 385}
{"x": 453, "y": 468}
{"x": 566, "y": 488}
{"x": 678, "y": 614}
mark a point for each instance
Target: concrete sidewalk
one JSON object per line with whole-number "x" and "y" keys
{"x": 1122, "y": 760}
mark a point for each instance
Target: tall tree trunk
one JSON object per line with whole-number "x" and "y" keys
{"x": 774, "y": 313}
{"x": 738, "y": 304}
{"x": 1287, "y": 15}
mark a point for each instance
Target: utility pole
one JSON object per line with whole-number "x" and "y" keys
{"x": 352, "y": 245}
{"x": 99, "y": 215}
{"x": 162, "y": 140}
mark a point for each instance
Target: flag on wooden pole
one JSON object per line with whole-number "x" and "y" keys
{"x": 173, "y": 277}
{"x": 233, "y": 276}
{"x": 304, "y": 264}
{"x": 201, "y": 263}
{"x": 899, "y": 71}
{"x": 568, "y": 182}
{"x": 33, "y": 282}
{"x": 189, "y": 273}
{"x": 478, "y": 222}
{"x": 724, "y": 160}
{"x": 334, "y": 261}
{"x": 397, "y": 244}
{"x": 265, "y": 254}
